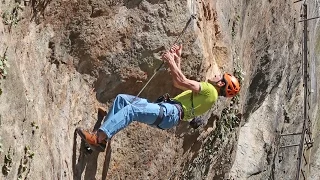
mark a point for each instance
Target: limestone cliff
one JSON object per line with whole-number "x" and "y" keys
{"x": 67, "y": 58}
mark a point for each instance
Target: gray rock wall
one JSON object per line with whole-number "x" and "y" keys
{"x": 67, "y": 58}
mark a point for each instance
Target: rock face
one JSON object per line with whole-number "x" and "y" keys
{"x": 273, "y": 51}
{"x": 67, "y": 58}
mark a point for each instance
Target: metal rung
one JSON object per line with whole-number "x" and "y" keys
{"x": 297, "y": 1}
{"x": 293, "y": 145}
{"x": 290, "y": 134}
{"x": 309, "y": 19}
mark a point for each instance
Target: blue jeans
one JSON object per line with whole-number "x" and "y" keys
{"x": 124, "y": 111}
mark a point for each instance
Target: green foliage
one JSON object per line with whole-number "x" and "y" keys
{"x": 6, "y": 168}
{"x": 233, "y": 32}
{"x": 234, "y": 24}
{"x": 34, "y": 127}
{"x": 28, "y": 152}
{"x": 3, "y": 67}
{"x": 33, "y": 124}
{"x": 237, "y": 18}
{"x": 11, "y": 17}
{"x": 231, "y": 115}
{"x": 24, "y": 162}
{"x": 1, "y": 150}
{"x": 238, "y": 71}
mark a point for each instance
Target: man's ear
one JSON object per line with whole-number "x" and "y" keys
{"x": 215, "y": 79}
{"x": 221, "y": 83}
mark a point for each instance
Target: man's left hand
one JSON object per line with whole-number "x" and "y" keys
{"x": 196, "y": 122}
{"x": 168, "y": 57}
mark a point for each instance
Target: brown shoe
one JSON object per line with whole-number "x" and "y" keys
{"x": 91, "y": 139}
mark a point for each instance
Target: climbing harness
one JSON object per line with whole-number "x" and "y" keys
{"x": 196, "y": 121}
{"x": 166, "y": 99}
{"x": 192, "y": 106}
{"x": 159, "y": 118}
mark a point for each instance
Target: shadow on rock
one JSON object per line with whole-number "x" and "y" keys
{"x": 87, "y": 161}
{"x": 106, "y": 163}
{"x": 190, "y": 136}
{"x": 130, "y": 4}
{"x": 135, "y": 3}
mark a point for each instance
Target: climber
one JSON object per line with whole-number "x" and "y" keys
{"x": 196, "y": 99}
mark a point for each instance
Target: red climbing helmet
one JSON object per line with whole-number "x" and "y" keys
{"x": 232, "y": 86}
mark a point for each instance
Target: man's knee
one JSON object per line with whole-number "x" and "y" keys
{"x": 125, "y": 97}
{"x": 121, "y": 96}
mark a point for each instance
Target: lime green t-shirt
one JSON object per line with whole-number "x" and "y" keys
{"x": 202, "y": 101}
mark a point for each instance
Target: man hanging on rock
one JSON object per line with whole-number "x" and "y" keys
{"x": 197, "y": 98}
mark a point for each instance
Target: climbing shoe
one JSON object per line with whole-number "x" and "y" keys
{"x": 91, "y": 139}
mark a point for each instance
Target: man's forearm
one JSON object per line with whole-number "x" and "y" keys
{"x": 176, "y": 73}
{"x": 178, "y": 62}
{"x": 179, "y": 79}
{"x": 175, "y": 83}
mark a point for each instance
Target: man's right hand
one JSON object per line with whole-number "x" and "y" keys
{"x": 179, "y": 79}
{"x": 176, "y": 49}
{"x": 196, "y": 122}
{"x": 168, "y": 57}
